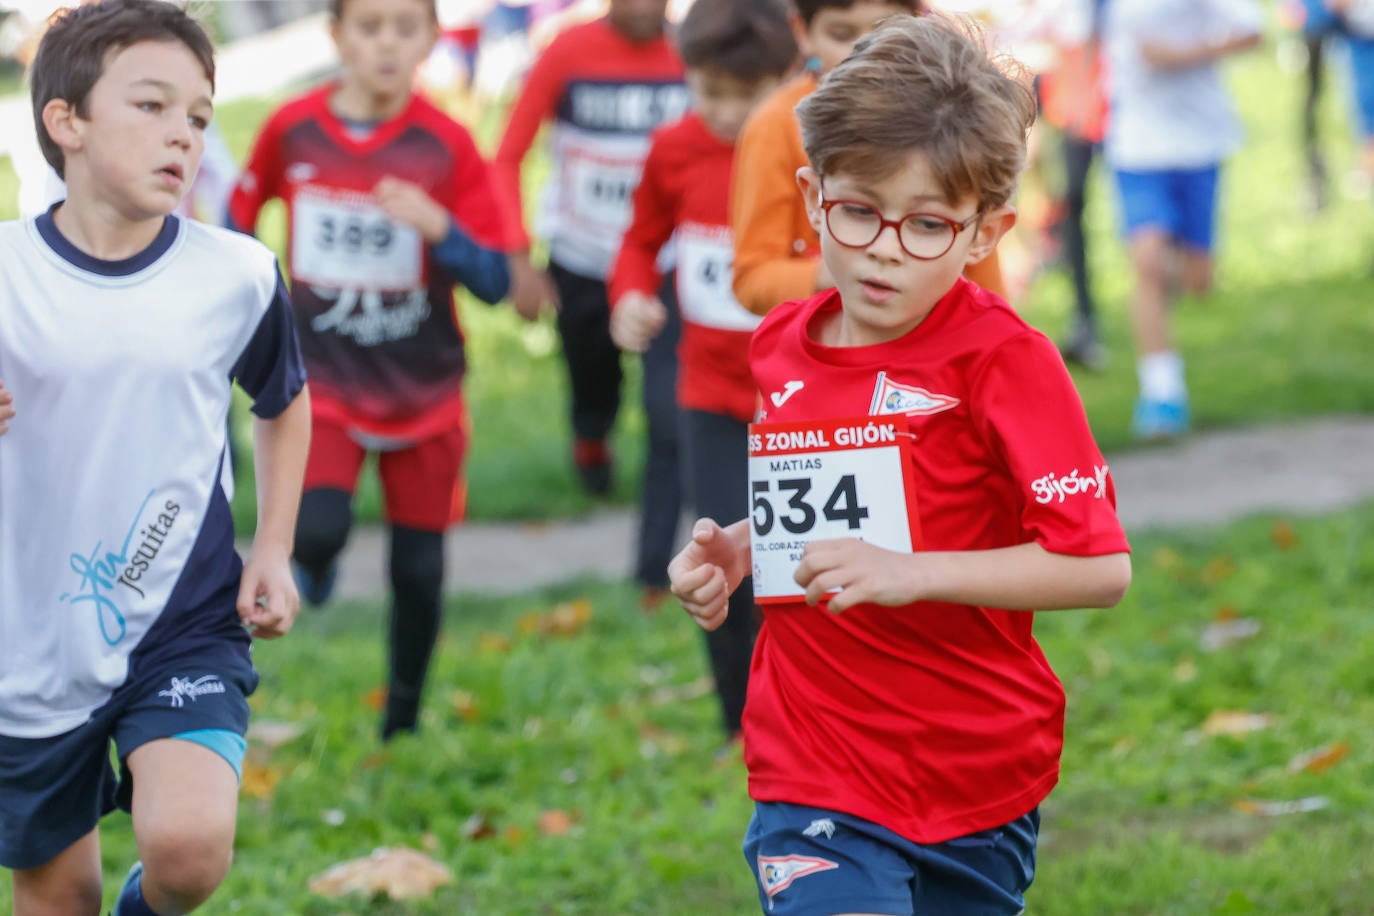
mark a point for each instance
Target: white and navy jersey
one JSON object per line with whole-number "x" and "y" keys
{"x": 116, "y": 542}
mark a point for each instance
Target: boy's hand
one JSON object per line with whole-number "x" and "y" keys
{"x": 530, "y": 288}
{"x": 708, "y": 570}
{"x": 863, "y": 573}
{"x": 268, "y": 601}
{"x": 636, "y": 320}
{"x": 407, "y": 202}
{"x": 6, "y": 408}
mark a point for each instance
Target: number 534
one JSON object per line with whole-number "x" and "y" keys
{"x": 841, "y": 506}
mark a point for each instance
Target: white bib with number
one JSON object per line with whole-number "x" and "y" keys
{"x": 343, "y": 240}
{"x": 845, "y": 478}
{"x": 705, "y": 274}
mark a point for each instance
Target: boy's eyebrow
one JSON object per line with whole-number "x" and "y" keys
{"x": 169, "y": 87}
{"x": 915, "y": 200}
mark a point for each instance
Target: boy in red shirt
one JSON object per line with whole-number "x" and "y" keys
{"x": 736, "y": 54}
{"x": 605, "y": 86}
{"x": 926, "y": 476}
{"x": 390, "y": 205}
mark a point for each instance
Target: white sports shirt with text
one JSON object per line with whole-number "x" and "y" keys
{"x": 116, "y": 540}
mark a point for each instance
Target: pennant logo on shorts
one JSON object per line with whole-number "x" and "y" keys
{"x": 893, "y": 397}
{"x": 776, "y": 873}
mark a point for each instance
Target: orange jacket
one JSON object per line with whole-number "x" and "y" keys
{"x": 777, "y": 253}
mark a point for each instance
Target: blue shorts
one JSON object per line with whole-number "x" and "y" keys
{"x": 1362, "y": 82}
{"x": 816, "y": 862}
{"x": 53, "y": 791}
{"x": 1181, "y": 202}
{"x": 1318, "y": 19}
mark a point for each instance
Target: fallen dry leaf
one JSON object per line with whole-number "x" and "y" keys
{"x": 465, "y": 704}
{"x": 401, "y": 874}
{"x": 493, "y": 643}
{"x": 568, "y": 618}
{"x": 1218, "y": 571}
{"x": 259, "y": 781}
{"x": 1279, "y": 808}
{"x": 1222, "y": 633}
{"x": 1319, "y": 759}
{"x": 477, "y": 827}
{"x": 1232, "y": 722}
{"x": 1283, "y": 535}
{"x": 555, "y": 823}
{"x": 530, "y": 623}
{"x": 375, "y": 699}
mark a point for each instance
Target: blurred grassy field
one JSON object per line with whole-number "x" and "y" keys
{"x": 1287, "y": 334}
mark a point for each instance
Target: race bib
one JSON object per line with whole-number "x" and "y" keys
{"x": 342, "y": 240}
{"x": 845, "y": 478}
{"x": 705, "y": 273}
{"x": 599, "y": 191}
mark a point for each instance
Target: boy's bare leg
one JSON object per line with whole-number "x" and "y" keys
{"x": 69, "y": 885}
{"x": 184, "y": 811}
{"x": 1197, "y": 271}
{"x": 1151, "y": 251}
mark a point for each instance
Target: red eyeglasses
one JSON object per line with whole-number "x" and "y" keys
{"x": 924, "y": 236}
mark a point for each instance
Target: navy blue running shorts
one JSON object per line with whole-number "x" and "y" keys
{"x": 816, "y": 862}
{"x": 53, "y": 791}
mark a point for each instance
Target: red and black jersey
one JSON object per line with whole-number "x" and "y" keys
{"x": 685, "y": 194}
{"x": 934, "y": 719}
{"x": 604, "y": 94}
{"x": 376, "y": 315}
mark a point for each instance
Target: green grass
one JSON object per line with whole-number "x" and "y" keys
{"x": 1286, "y": 335}
{"x": 518, "y": 724}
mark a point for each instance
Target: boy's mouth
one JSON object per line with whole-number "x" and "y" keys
{"x": 173, "y": 171}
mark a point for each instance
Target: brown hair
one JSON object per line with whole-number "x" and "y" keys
{"x": 72, "y": 55}
{"x": 923, "y": 85}
{"x": 746, "y": 41}
{"x": 809, "y": 9}
{"x": 336, "y": 9}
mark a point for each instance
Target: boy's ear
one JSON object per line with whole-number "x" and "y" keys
{"x": 800, "y": 33}
{"x": 63, "y": 125}
{"x": 991, "y": 227}
{"x": 810, "y": 184}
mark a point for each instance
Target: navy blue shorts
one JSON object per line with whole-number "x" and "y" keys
{"x": 816, "y": 862}
{"x": 53, "y": 791}
{"x": 1181, "y": 202}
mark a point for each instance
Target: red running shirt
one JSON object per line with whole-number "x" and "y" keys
{"x": 377, "y": 324}
{"x": 934, "y": 720}
{"x": 604, "y": 94}
{"x": 685, "y": 192}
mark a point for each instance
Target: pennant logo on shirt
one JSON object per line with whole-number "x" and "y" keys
{"x": 776, "y": 873}
{"x": 894, "y": 397}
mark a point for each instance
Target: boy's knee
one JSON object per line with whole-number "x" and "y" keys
{"x": 322, "y": 525}
{"x": 60, "y": 896}
{"x": 185, "y": 864}
{"x": 417, "y": 561}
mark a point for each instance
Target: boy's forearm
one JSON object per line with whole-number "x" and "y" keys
{"x": 1170, "y": 58}
{"x": 1025, "y": 577}
{"x": 280, "y": 447}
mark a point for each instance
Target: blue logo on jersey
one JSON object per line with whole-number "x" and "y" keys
{"x": 99, "y": 576}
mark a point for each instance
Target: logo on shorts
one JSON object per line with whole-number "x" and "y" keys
{"x": 821, "y": 825}
{"x": 776, "y": 873}
{"x": 184, "y": 688}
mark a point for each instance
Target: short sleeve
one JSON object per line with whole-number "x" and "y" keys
{"x": 1028, "y": 411}
{"x": 270, "y": 368}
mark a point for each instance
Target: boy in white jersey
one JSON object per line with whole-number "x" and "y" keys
{"x": 125, "y": 615}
